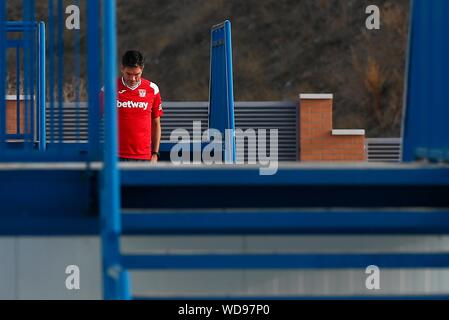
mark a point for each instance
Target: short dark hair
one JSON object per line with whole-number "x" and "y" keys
{"x": 132, "y": 59}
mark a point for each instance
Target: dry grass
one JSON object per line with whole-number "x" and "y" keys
{"x": 74, "y": 88}
{"x": 281, "y": 48}
{"x": 374, "y": 83}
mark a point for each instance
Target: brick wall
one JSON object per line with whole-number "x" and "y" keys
{"x": 318, "y": 140}
{"x": 11, "y": 115}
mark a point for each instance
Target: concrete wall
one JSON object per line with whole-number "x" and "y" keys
{"x": 34, "y": 268}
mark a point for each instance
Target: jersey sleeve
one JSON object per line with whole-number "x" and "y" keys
{"x": 157, "y": 111}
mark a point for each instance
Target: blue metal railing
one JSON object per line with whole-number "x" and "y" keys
{"x": 30, "y": 30}
{"x": 55, "y": 122}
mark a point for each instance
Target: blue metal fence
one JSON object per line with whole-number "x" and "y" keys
{"x": 40, "y": 122}
{"x": 32, "y": 43}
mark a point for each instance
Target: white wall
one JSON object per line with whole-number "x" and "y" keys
{"x": 34, "y": 268}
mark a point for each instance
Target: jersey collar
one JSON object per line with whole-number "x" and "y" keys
{"x": 132, "y": 88}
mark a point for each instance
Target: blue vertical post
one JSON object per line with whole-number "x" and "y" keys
{"x": 93, "y": 78}
{"x": 230, "y": 153}
{"x": 33, "y": 82}
{"x": 114, "y": 278}
{"x": 425, "y": 130}
{"x": 18, "y": 115}
{"x": 26, "y": 72}
{"x": 51, "y": 68}
{"x": 2, "y": 75}
{"x": 42, "y": 90}
{"x": 28, "y": 35}
{"x": 60, "y": 44}
{"x": 77, "y": 77}
{"x": 221, "y": 88}
{"x": 437, "y": 88}
{"x": 38, "y": 98}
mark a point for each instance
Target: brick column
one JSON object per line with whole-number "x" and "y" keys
{"x": 318, "y": 140}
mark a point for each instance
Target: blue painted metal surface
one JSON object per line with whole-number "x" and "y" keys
{"x": 285, "y": 261}
{"x": 286, "y": 222}
{"x": 93, "y": 78}
{"x": 40, "y": 226}
{"x": 2, "y": 76}
{"x": 77, "y": 75}
{"x": 18, "y": 113}
{"x": 14, "y": 43}
{"x": 25, "y": 25}
{"x": 42, "y": 89}
{"x": 47, "y": 201}
{"x": 60, "y": 66}
{"x": 425, "y": 130}
{"x": 115, "y": 279}
{"x": 51, "y": 68}
{"x": 367, "y": 175}
{"x": 30, "y": 30}
{"x": 34, "y": 78}
{"x": 221, "y": 90}
{"x": 29, "y": 37}
{"x": 52, "y": 192}
{"x": 55, "y": 152}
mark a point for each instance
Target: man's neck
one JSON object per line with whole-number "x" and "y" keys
{"x": 131, "y": 87}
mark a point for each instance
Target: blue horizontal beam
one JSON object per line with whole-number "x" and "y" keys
{"x": 397, "y": 175}
{"x": 41, "y": 226}
{"x": 287, "y": 222}
{"x": 168, "y": 146}
{"x": 20, "y": 29}
{"x": 15, "y": 43}
{"x": 15, "y": 136}
{"x": 283, "y": 261}
{"x": 59, "y": 152}
{"x": 20, "y": 26}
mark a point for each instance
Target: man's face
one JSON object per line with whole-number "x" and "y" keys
{"x": 131, "y": 75}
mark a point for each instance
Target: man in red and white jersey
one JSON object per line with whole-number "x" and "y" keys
{"x": 139, "y": 108}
